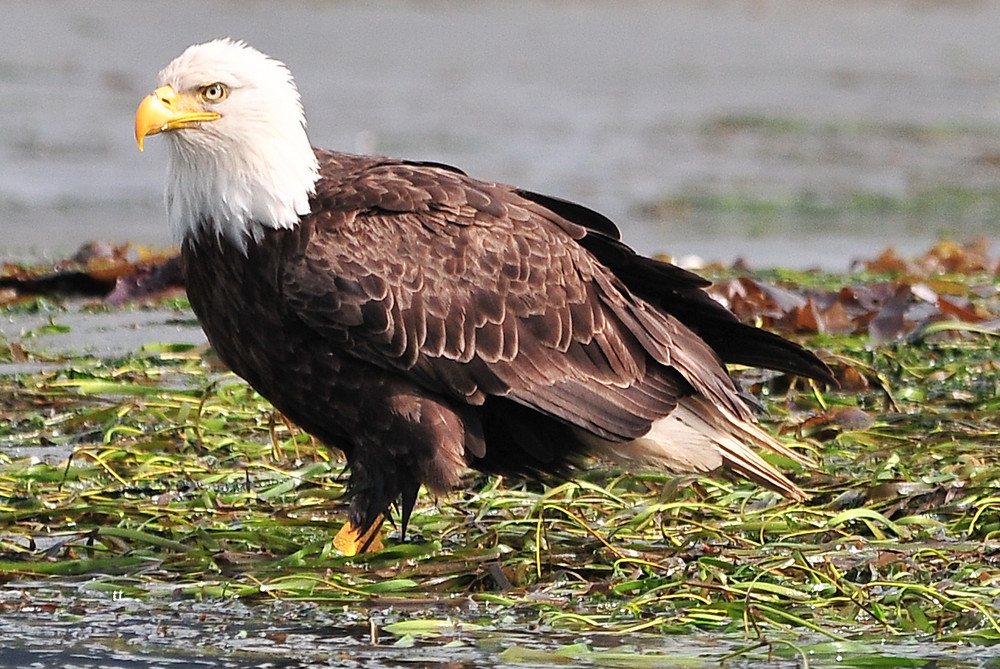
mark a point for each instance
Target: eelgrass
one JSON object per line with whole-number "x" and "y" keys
{"x": 180, "y": 480}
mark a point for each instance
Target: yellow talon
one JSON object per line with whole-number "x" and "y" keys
{"x": 350, "y": 540}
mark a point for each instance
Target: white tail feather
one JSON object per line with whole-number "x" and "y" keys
{"x": 699, "y": 436}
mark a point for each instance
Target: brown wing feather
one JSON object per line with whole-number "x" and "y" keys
{"x": 472, "y": 291}
{"x": 680, "y": 293}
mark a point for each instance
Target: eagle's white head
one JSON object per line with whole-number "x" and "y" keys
{"x": 240, "y": 159}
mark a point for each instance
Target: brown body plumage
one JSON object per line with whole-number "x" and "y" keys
{"x": 424, "y": 321}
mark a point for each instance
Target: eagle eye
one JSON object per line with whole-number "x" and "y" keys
{"x": 214, "y": 92}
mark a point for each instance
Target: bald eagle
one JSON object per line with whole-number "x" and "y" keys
{"x": 426, "y": 322}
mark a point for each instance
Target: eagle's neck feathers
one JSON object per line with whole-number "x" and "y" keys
{"x": 236, "y": 195}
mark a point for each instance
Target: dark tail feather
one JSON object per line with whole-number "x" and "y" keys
{"x": 677, "y": 292}
{"x": 746, "y": 345}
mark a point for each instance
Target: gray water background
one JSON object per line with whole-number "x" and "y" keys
{"x": 781, "y": 115}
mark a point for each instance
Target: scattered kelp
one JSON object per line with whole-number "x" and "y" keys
{"x": 950, "y": 284}
{"x": 115, "y": 274}
{"x": 177, "y": 480}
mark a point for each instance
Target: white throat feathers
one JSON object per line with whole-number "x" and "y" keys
{"x": 253, "y": 167}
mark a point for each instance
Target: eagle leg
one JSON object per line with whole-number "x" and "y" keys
{"x": 351, "y": 540}
{"x": 408, "y": 500}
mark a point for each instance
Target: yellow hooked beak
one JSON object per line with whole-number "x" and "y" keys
{"x": 166, "y": 109}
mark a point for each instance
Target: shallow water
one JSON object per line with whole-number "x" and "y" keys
{"x": 783, "y": 115}
{"x": 87, "y": 631}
